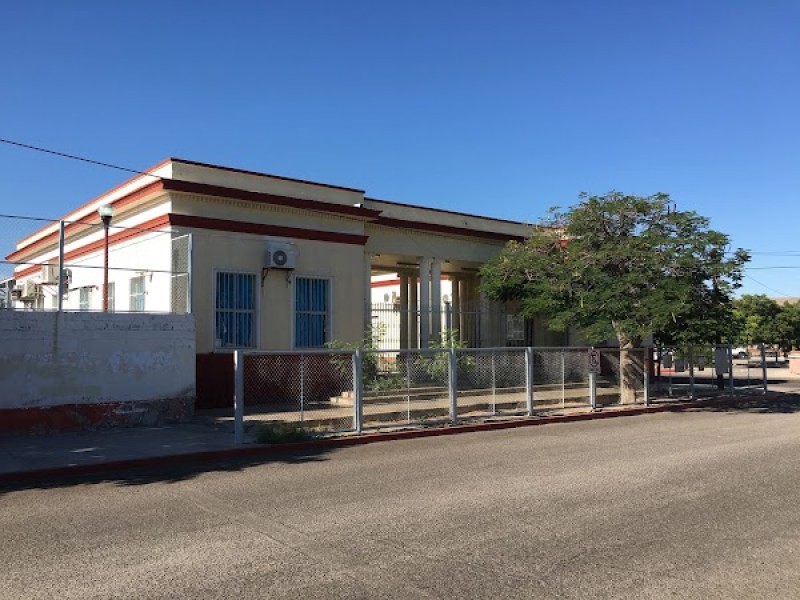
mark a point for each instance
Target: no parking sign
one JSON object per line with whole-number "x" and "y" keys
{"x": 594, "y": 361}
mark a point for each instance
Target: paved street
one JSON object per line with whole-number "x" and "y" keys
{"x": 702, "y": 504}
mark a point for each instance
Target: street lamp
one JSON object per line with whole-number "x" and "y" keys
{"x": 106, "y": 212}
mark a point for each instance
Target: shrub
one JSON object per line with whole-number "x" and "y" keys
{"x": 283, "y": 433}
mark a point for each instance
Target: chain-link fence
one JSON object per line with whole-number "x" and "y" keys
{"x": 347, "y": 390}
{"x": 701, "y": 371}
{"x": 314, "y": 389}
{"x": 85, "y": 266}
{"x": 405, "y": 387}
{"x": 492, "y": 382}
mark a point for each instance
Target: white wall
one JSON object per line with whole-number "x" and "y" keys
{"x": 51, "y": 359}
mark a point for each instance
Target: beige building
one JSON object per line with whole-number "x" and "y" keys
{"x": 270, "y": 263}
{"x": 274, "y": 263}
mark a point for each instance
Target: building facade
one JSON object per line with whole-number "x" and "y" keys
{"x": 271, "y": 263}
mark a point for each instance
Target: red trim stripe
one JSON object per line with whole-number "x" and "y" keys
{"x": 206, "y": 189}
{"x": 436, "y": 228}
{"x": 96, "y": 246}
{"x": 442, "y": 210}
{"x": 265, "y": 229}
{"x": 69, "y": 228}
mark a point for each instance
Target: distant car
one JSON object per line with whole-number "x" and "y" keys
{"x": 740, "y": 352}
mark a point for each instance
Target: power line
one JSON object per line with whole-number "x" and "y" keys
{"x": 74, "y": 157}
{"x": 764, "y": 285}
{"x": 770, "y": 268}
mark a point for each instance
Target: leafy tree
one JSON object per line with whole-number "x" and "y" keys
{"x": 756, "y": 317}
{"x": 789, "y": 326}
{"x": 761, "y": 320}
{"x": 620, "y": 266}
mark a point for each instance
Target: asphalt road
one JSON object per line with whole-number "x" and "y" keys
{"x": 702, "y": 504}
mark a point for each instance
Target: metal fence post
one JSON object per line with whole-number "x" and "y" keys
{"x": 690, "y": 357}
{"x": 764, "y": 366}
{"x": 238, "y": 397}
{"x": 730, "y": 369}
{"x": 494, "y": 384}
{"x": 593, "y": 385}
{"x": 563, "y": 381}
{"x": 358, "y": 390}
{"x": 648, "y": 357}
{"x": 529, "y": 380}
{"x": 302, "y": 387}
{"x": 453, "y": 384}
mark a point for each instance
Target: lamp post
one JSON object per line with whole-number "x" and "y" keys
{"x": 106, "y": 212}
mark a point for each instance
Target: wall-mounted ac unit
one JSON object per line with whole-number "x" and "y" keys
{"x": 280, "y": 256}
{"x": 31, "y": 289}
{"x": 49, "y": 273}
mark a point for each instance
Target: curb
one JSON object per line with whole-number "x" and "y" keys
{"x": 357, "y": 440}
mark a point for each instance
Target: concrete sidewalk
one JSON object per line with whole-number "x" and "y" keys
{"x": 52, "y": 455}
{"x": 25, "y": 453}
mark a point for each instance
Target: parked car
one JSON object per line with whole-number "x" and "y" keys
{"x": 740, "y": 352}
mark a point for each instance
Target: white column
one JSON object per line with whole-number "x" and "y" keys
{"x": 436, "y": 299}
{"x": 455, "y": 302}
{"x": 404, "y": 310}
{"x": 413, "y": 313}
{"x": 424, "y": 302}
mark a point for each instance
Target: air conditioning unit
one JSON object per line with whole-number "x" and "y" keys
{"x": 49, "y": 273}
{"x": 281, "y": 256}
{"x": 16, "y": 293}
{"x": 31, "y": 289}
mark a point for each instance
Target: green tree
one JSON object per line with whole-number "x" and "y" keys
{"x": 789, "y": 326}
{"x": 761, "y": 320}
{"x": 618, "y": 266}
{"x": 756, "y": 317}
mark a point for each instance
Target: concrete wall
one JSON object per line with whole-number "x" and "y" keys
{"x": 51, "y": 360}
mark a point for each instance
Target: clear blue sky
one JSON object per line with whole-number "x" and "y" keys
{"x": 502, "y": 108}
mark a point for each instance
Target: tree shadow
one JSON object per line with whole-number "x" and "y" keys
{"x": 167, "y": 469}
{"x": 782, "y": 403}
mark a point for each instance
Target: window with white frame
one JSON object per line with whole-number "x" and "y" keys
{"x": 137, "y": 294}
{"x": 110, "y": 296}
{"x": 311, "y": 312}
{"x": 85, "y": 298}
{"x": 235, "y": 310}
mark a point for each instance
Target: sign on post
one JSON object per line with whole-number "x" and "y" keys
{"x": 594, "y": 361}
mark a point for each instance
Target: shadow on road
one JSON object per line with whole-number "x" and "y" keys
{"x": 168, "y": 471}
{"x": 773, "y": 404}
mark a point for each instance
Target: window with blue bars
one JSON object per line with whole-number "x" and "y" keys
{"x": 311, "y": 312}
{"x": 235, "y": 310}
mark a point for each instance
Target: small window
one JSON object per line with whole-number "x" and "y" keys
{"x": 235, "y": 310}
{"x": 311, "y": 312}
{"x": 137, "y": 294}
{"x": 110, "y": 296}
{"x": 85, "y": 300}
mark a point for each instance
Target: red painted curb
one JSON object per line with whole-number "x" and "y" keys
{"x": 255, "y": 451}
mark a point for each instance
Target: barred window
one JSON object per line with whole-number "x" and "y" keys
{"x": 235, "y": 310}
{"x": 137, "y": 294}
{"x": 311, "y": 312}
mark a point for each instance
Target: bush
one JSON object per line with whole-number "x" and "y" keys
{"x": 283, "y": 433}
{"x": 436, "y": 365}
